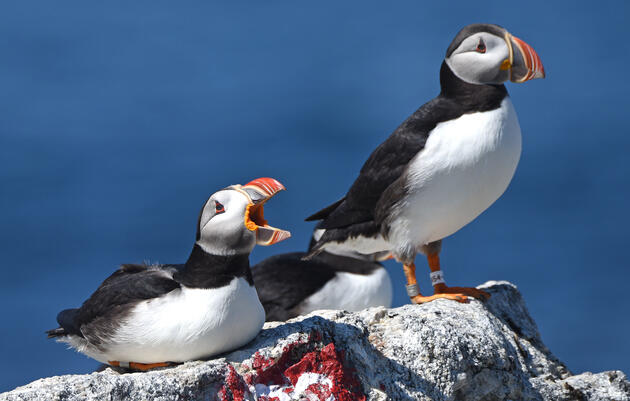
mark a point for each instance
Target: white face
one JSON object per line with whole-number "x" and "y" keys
{"x": 222, "y": 229}
{"x": 478, "y": 59}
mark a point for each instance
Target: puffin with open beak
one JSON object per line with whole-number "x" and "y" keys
{"x": 147, "y": 316}
{"x": 443, "y": 166}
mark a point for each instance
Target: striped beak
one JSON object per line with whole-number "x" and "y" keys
{"x": 260, "y": 191}
{"x": 524, "y": 63}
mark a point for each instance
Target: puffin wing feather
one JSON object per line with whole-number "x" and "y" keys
{"x": 283, "y": 281}
{"x": 386, "y": 165}
{"x": 116, "y": 295}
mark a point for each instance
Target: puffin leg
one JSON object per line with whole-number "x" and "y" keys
{"x": 440, "y": 287}
{"x": 414, "y": 291}
{"x": 141, "y": 366}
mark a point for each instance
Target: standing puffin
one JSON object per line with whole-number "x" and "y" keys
{"x": 143, "y": 316}
{"x": 443, "y": 166}
{"x": 289, "y": 286}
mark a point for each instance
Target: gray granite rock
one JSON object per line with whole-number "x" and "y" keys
{"x": 438, "y": 351}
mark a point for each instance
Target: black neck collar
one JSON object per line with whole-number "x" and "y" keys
{"x": 204, "y": 270}
{"x": 470, "y": 96}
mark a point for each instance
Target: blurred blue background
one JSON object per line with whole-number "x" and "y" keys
{"x": 118, "y": 120}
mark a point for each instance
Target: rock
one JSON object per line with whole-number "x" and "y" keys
{"x": 438, "y": 351}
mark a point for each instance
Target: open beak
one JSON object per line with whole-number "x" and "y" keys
{"x": 524, "y": 63}
{"x": 260, "y": 191}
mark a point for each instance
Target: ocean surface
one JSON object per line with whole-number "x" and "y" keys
{"x": 118, "y": 120}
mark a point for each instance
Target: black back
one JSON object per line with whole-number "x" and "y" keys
{"x": 284, "y": 281}
{"x": 357, "y": 211}
{"x": 97, "y": 318}
{"x": 100, "y": 315}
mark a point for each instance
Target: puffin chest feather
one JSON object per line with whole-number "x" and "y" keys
{"x": 189, "y": 323}
{"x": 466, "y": 164}
{"x": 352, "y": 292}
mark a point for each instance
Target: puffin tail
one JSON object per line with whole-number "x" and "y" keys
{"x": 67, "y": 325}
{"x": 314, "y": 250}
{"x": 312, "y": 254}
{"x": 58, "y": 332}
{"x": 325, "y": 212}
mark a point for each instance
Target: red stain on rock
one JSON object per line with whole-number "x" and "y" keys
{"x": 328, "y": 362}
{"x": 298, "y": 358}
{"x": 234, "y": 388}
{"x": 271, "y": 371}
{"x": 321, "y": 391}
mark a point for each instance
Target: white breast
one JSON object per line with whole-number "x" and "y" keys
{"x": 351, "y": 292}
{"x": 467, "y": 163}
{"x": 188, "y": 324}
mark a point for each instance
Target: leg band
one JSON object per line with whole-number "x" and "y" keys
{"x": 437, "y": 277}
{"x": 119, "y": 364}
{"x": 412, "y": 290}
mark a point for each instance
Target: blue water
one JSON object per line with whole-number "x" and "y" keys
{"x": 118, "y": 119}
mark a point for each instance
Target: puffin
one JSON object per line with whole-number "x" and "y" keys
{"x": 443, "y": 166}
{"x": 289, "y": 286}
{"x": 148, "y": 316}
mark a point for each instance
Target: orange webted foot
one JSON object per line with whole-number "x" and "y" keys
{"x": 141, "y": 366}
{"x": 414, "y": 291}
{"x": 470, "y": 291}
{"x": 440, "y": 287}
{"x": 420, "y": 299}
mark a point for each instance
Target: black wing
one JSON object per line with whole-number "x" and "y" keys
{"x": 283, "y": 281}
{"x": 385, "y": 165}
{"x": 116, "y": 296}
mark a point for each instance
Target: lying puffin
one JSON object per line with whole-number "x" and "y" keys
{"x": 142, "y": 316}
{"x": 443, "y": 166}
{"x": 289, "y": 286}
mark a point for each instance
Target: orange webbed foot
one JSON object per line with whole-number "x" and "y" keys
{"x": 141, "y": 366}
{"x": 469, "y": 291}
{"x": 421, "y": 299}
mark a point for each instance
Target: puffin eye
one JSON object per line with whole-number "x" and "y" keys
{"x": 218, "y": 207}
{"x": 481, "y": 47}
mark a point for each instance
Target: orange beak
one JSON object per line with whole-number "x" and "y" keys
{"x": 524, "y": 62}
{"x": 265, "y": 188}
{"x": 260, "y": 191}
